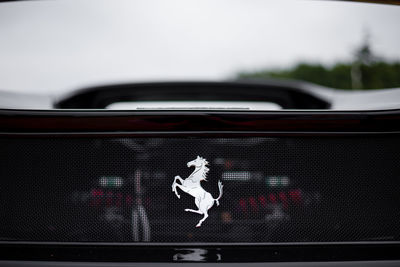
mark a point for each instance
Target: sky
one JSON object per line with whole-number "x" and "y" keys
{"x": 53, "y": 47}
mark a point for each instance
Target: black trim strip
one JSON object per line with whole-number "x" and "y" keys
{"x": 210, "y": 253}
{"x": 197, "y": 121}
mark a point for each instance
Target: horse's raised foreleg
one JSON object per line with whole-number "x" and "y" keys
{"x": 174, "y": 184}
{"x": 183, "y": 188}
{"x": 179, "y": 179}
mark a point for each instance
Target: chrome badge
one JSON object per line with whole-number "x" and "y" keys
{"x": 191, "y": 185}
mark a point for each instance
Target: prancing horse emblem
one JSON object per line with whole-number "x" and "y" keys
{"x": 191, "y": 185}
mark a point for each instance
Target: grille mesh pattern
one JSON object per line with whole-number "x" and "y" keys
{"x": 275, "y": 189}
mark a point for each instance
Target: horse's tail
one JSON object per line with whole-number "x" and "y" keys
{"x": 220, "y": 186}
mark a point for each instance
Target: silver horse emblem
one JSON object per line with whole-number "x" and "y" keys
{"x": 191, "y": 185}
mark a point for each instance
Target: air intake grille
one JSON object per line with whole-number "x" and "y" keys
{"x": 286, "y": 189}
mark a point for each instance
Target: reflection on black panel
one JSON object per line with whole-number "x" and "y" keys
{"x": 274, "y": 189}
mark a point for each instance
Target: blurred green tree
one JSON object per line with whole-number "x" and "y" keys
{"x": 366, "y": 71}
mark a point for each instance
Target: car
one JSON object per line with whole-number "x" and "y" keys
{"x": 248, "y": 170}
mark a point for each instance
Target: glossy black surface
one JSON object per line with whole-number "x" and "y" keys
{"x": 113, "y": 122}
{"x": 216, "y": 253}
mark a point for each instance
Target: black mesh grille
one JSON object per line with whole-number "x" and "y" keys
{"x": 274, "y": 189}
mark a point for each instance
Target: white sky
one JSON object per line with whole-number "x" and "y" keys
{"x": 58, "y": 46}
